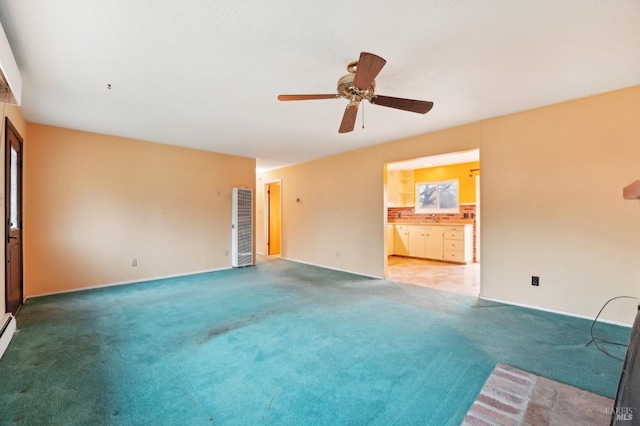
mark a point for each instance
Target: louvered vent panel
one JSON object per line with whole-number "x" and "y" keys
{"x": 242, "y": 228}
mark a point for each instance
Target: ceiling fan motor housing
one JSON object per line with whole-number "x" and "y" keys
{"x": 348, "y": 90}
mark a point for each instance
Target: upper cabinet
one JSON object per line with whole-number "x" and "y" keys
{"x": 400, "y": 188}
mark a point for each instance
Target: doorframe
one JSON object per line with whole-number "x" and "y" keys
{"x": 267, "y": 216}
{"x": 385, "y": 206}
{"x": 4, "y": 129}
{"x": 478, "y": 216}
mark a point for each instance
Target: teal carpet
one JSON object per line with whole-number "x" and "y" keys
{"x": 280, "y": 343}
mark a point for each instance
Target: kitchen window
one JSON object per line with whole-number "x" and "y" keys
{"x": 437, "y": 197}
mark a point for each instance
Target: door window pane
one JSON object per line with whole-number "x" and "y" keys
{"x": 13, "y": 214}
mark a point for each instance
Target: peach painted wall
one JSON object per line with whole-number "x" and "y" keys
{"x": 340, "y": 219}
{"x": 552, "y": 204}
{"x": 15, "y": 116}
{"x": 94, "y": 202}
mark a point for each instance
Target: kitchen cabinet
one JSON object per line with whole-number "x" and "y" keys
{"x": 400, "y": 188}
{"x": 407, "y": 188}
{"x": 433, "y": 243}
{"x": 401, "y": 240}
{"x": 393, "y": 188}
{"x": 390, "y": 237}
{"x": 458, "y": 244}
{"x": 452, "y": 243}
{"x": 417, "y": 244}
{"x": 426, "y": 241}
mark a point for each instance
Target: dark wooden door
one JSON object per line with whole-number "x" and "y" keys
{"x": 13, "y": 202}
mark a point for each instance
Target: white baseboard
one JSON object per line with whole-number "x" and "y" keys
{"x": 7, "y": 330}
{"x": 128, "y": 282}
{"x": 333, "y": 269}
{"x": 553, "y": 311}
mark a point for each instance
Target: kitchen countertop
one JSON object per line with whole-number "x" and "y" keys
{"x": 430, "y": 223}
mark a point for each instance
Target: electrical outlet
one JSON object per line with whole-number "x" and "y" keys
{"x": 535, "y": 281}
{"x": 226, "y": 252}
{"x": 134, "y": 262}
{"x": 337, "y": 254}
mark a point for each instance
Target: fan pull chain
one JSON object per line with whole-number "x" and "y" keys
{"x": 363, "y": 115}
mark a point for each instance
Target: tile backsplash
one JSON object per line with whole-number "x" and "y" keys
{"x": 397, "y": 214}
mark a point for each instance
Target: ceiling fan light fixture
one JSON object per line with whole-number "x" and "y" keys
{"x": 360, "y": 84}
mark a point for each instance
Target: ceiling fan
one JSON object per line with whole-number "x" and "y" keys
{"x": 360, "y": 84}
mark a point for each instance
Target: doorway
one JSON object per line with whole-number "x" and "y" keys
{"x": 273, "y": 196}
{"x": 14, "y": 291}
{"x": 433, "y": 229}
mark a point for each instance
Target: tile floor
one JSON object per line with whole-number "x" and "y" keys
{"x": 463, "y": 279}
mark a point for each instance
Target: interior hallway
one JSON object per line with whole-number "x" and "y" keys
{"x": 461, "y": 279}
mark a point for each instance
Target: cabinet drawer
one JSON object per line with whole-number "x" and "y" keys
{"x": 454, "y": 234}
{"x": 454, "y": 245}
{"x": 454, "y": 256}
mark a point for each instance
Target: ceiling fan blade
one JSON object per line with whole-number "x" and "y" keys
{"x": 305, "y": 97}
{"x": 349, "y": 118}
{"x": 369, "y": 65}
{"x": 421, "y": 107}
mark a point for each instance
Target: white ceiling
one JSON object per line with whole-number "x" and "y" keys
{"x": 205, "y": 74}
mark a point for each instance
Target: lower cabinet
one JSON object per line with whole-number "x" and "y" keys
{"x": 453, "y": 243}
{"x": 417, "y": 241}
{"x": 458, "y": 244}
{"x": 433, "y": 243}
{"x": 401, "y": 240}
{"x": 425, "y": 241}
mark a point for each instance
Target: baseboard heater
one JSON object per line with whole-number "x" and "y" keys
{"x": 241, "y": 227}
{"x": 7, "y": 329}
